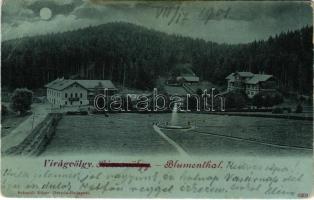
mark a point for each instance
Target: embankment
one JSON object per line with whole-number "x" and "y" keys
{"x": 40, "y": 136}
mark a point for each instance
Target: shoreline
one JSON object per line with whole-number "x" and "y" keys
{"x": 292, "y": 116}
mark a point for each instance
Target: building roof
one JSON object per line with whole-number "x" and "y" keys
{"x": 242, "y": 74}
{"x": 245, "y": 74}
{"x": 222, "y": 93}
{"x": 53, "y": 82}
{"x": 230, "y": 76}
{"x": 190, "y": 78}
{"x": 91, "y": 84}
{"x": 61, "y": 84}
{"x": 254, "y": 78}
{"x": 259, "y": 78}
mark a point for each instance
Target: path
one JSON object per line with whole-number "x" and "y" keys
{"x": 40, "y": 111}
{"x": 175, "y": 145}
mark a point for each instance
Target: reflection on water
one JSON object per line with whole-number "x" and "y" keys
{"x": 174, "y": 116}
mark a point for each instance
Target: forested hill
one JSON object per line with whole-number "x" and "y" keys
{"x": 137, "y": 56}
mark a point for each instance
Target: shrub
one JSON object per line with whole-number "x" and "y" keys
{"x": 277, "y": 110}
{"x": 287, "y": 109}
{"x": 277, "y": 99}
{"x": 258, "y": 100}
{"x": 236, "y": 100}
{"x": 199, "y": 91}
{"x": 267, "y": 99}
{"x": 21, "y": 100}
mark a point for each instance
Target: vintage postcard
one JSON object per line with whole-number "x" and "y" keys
{"x": 156, "y": 99}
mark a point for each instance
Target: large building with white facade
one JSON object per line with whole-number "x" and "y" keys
{"x": 67, "y": 92}
{"x": 250, "y": 83}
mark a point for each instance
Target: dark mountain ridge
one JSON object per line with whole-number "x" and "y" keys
{"x": 137, "y": 56}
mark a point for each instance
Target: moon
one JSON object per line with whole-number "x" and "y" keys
{"x": 45, "y": 13}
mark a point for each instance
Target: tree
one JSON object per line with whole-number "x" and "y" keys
{"x": 258, "y": 100}
{"x": 236, "y": 100}
{"x": 199, "y": 92}
{"x": 278, "y": 99}
{"x": 267, "y": 99}
{"x": 137, "y": 56}
{"x": 4, "y": 110}
{"x": 21, "y": 100}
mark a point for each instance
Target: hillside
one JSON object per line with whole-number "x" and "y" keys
{"x": 137, "y": 56}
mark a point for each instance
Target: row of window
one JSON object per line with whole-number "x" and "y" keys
{"x": 56, "y": 101}
{"x": 71, "y": 95}
{"x": 58, "y": 94}
{"x": 250, "y": 93}
{"x": 252, "y": 86}
{"x": 71, "y": 102}
{"x": 248, "y": 85}
{"x": 54, "y": 93}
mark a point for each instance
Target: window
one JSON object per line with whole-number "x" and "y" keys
{"x": 71, "y": 95}
{"x": 75, "y": 95}
{"x": 66, "y": 103}
{"x": 71, "y": 102}
{"x": 66, "y": 95}
{"x": 81, "y": 95}
{"x": 81, "y": 102}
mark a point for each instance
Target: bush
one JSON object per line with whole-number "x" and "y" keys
{"x": 21, "y": 100}
{"x": 267, "y": 99}
{"x": 288, "y": 110}
{"x": 236, "y": 100}
{"x": 199, "y": 91}
{"x": 277, "y": 110}
{"x": 258, "y": 100}
{"x": 277, "y": 99}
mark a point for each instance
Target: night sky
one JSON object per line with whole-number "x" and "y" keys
{"x": 222, "y": 22}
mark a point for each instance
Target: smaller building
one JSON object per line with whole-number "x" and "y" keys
{"x": 187, "y": 78}
{"x": 67, "y": 92}
{"x": 182, "y": 74}
{"x": 250, "y": 83}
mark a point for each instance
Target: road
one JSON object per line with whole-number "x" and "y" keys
{"x": 16, "y": 136}
{"x": 134, "y": 134}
